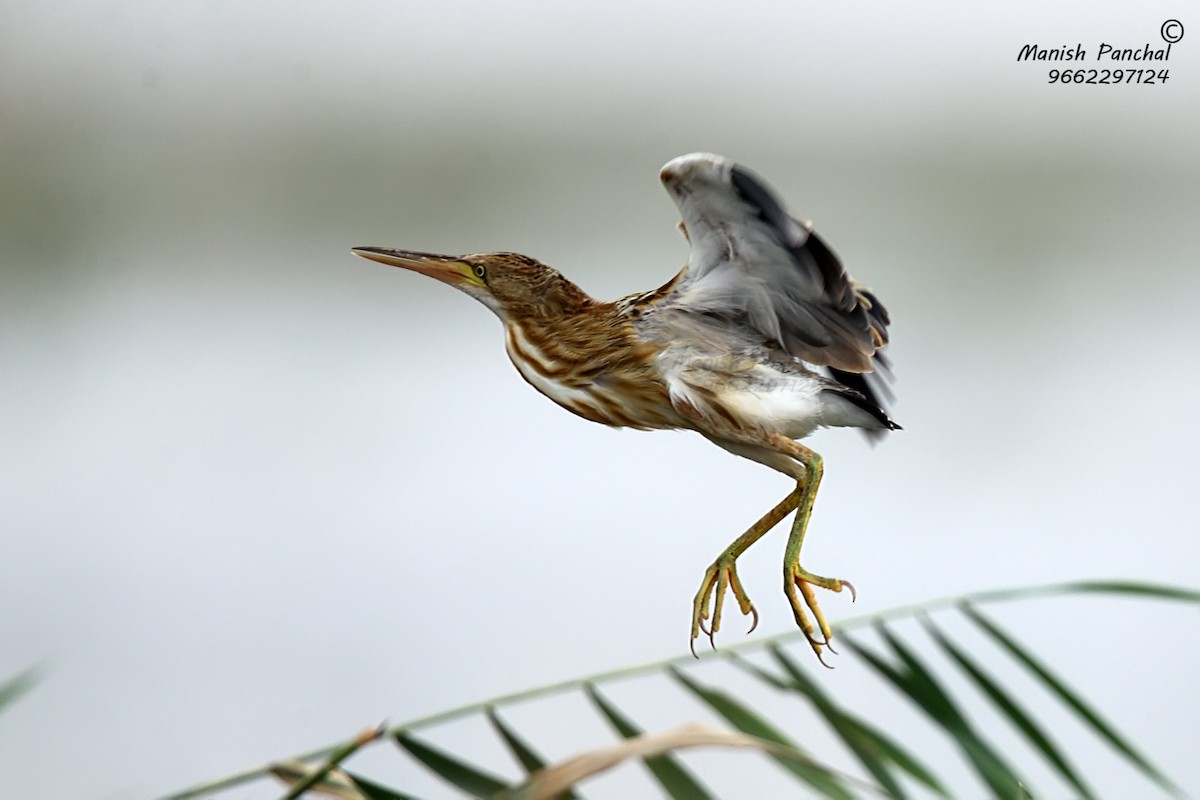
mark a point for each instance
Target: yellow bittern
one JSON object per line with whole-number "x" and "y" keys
{"x": 759, "y": 340}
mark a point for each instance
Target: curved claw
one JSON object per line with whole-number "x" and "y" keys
{"x": 815, "y": 643}
{"x": 819, "y": 646}
{"x": 720, "y": 577}
{"x": 753, "y": 624}
{"x": 805, "y": 600}
{"x": 853, "y": 593}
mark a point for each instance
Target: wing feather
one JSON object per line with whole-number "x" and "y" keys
{"x": 753, "y": 265}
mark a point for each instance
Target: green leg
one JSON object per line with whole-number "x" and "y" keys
{"x": 722, "y": 575}
{"x": 796, "y": 577}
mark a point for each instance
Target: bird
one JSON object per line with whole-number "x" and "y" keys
{"x": 759, "y": 340}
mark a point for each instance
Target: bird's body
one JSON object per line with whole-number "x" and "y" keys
{"x": 761, "y": 339}
{"x": 616, "y": 383}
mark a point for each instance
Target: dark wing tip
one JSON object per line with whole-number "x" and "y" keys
{"x": 837, "y": 282}
{"x": 824, "y": 316}
{"x": 754, "y": 190}
{"x": 865, "y": 394}
{"x": 803, "y": 243}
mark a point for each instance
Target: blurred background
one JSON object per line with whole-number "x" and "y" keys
{"x": 256, "y": 494}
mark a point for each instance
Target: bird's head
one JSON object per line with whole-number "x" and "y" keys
{"x": 510, "y": 284}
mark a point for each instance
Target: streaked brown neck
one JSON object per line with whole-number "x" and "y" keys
{"x": 550, "y": 297}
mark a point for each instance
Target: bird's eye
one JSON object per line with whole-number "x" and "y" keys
{"x": 480, "y": 271}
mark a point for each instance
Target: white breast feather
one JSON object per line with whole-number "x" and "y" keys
{"x": 559, "y": 393}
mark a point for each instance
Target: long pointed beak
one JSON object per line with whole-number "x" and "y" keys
{"x": 447, "y": 269}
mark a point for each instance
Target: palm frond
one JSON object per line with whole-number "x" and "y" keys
{"x": 891, "y": 770}
{"x": 17, "y": 685}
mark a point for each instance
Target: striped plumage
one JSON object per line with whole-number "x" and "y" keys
{"x": 758, "y": 341}
{"x": 584, "y": 354}
{"x": 618, "y": 387}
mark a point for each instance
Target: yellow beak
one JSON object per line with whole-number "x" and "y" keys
{"x": 447, "y": 269}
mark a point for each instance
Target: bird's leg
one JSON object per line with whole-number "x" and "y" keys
{"x": 722, "y": 575}
{"x": 795, "y": 576}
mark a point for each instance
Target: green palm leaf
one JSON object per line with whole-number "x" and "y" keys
{"x": 16, "y": 686}
{"x": 673, "y": 778}
{"x": 749, "y": 722}
{"x": 1068, "y": 696}
{"x": 889, "y": 766}
{"x": 473, "y": 780}
{"x": 1012, "y": 709}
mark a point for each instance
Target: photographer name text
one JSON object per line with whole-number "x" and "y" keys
{"x": 1106, "y": 52}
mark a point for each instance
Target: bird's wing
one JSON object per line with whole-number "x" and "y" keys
{"x": 753, "y": 266}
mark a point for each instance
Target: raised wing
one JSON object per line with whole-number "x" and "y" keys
{"x": 754, "y": 266}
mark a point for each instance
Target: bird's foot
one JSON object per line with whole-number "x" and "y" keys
{"x": 796, "y": 577}
{"x": 718, "y": 578}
